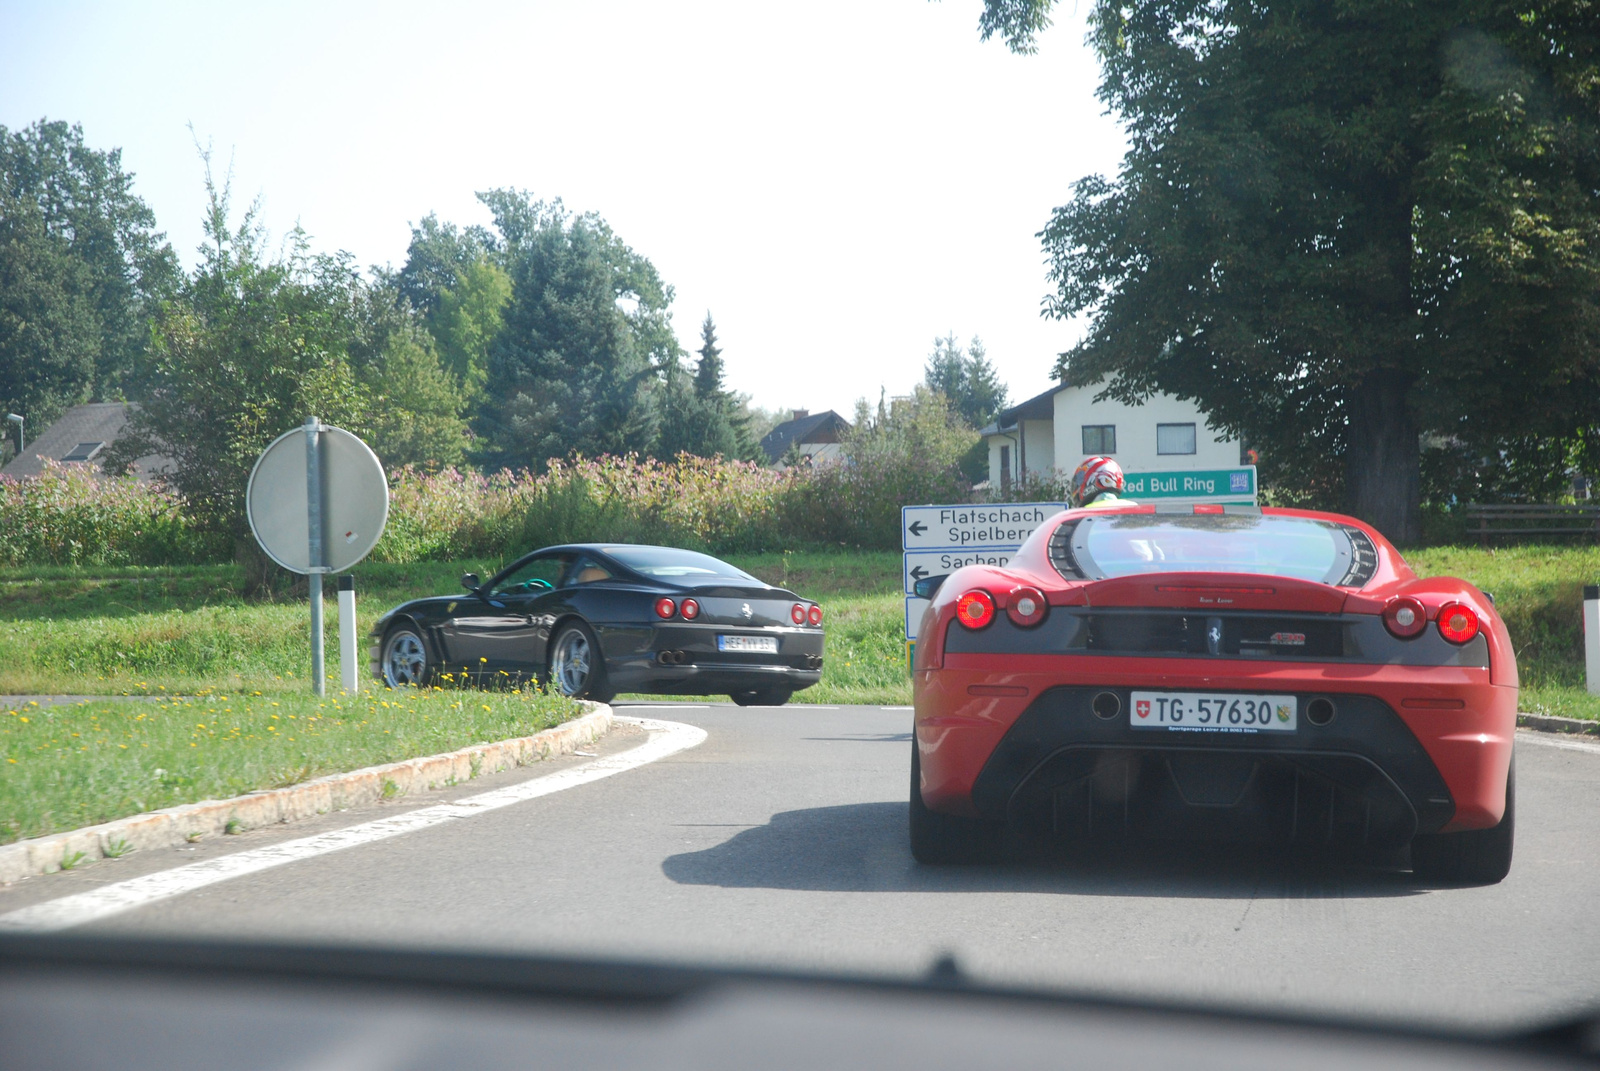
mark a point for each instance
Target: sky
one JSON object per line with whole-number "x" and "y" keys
{"x": 838, "y": 183}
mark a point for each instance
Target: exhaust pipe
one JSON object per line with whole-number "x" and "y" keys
{"x": 672, "y": 658}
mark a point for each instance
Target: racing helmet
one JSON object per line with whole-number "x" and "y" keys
{"x": 1095, "y": 477}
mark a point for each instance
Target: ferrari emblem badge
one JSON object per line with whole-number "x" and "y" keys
{"x": 746, "y": 611}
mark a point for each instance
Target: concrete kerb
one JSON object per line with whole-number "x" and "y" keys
{"x": 183, "y": 824}
{"x": 1549, "y": 723}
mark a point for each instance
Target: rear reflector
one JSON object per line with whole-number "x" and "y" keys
{"x": 1433, "y": 704}
{"x": 1458, "y": 622}
{"x": 975, "y": 609}
{"x": 997, "y": 689}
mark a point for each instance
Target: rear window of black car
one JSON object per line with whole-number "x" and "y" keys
{"x": 1296, "y": 547}
{"x": 669, "y": 563}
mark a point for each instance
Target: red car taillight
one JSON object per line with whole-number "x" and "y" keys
{"x": 1458, "y": 622}
{"x": 975, "y": 609}
{"x": 1026, "y": 607}
{"x": 797, "y": 613}
{"x": 1405, "y": 617}
{"x": 814, "y": 615}
{"x": 665, "y": 608}
{"x": 690, "y": 609}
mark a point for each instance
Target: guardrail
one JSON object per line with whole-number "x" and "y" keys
{"x": 1491, "y": 522}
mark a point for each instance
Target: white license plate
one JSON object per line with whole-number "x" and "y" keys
{"x": 1213, "y": 712}
{"x": 754, "y": 644}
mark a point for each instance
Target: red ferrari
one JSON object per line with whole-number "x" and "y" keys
{"x": 1264, "y": 675}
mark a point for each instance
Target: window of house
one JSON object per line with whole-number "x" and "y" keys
{"x": 83, "y": 452}
{"x": 1099, "y": 438}
{"x": 1174, "y": 438}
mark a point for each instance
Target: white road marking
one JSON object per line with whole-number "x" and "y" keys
{"x": 661, "y": 706}
{"x": 897, "y": 708}
{"x": 666, "y": 738}
{"x": 1532, "y": 736}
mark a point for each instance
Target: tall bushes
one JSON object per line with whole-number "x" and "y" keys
{"x": 66, "y": 516}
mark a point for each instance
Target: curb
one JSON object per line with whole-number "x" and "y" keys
{"x": 1549, "y": 723}
{"x": 174, "y": 826}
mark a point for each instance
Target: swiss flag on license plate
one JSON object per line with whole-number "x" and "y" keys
{"x": 1142, "y": 708}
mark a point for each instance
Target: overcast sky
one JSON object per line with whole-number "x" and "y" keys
{"x": 838, "y": 182}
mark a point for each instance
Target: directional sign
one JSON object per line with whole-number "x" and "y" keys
{"x": 921, "y": 564}
{"x": 1231, "y": 486}
{"x": 914, "y": 608}
{"x": 955, "y": 527}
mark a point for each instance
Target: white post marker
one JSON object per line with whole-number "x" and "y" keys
{"x": 349, "y": 641}
{"x": 317, "y": 503}
{"x": 1591, "y": 636}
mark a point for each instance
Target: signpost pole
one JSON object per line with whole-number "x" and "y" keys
{"x": 319, "y": 685}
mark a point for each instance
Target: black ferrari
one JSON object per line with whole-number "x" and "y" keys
{"x": 594, "y": 619}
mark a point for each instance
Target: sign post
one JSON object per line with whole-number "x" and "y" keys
{"x": 317, "y": 503}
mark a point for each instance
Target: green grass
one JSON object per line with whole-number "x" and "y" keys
{"x": 63, "y": 767}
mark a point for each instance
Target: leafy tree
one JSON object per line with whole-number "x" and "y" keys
{"x": 417, "y": 405}
{"x": 587, "y": 332}
{"x": 246, "y": 350}
{"x": 466, "y": 321}
{"x": 1339, "y": 225}
{"x": 438, "y": 255}
{"x": 966, "y": 378}
{"x": 81, "y": 267}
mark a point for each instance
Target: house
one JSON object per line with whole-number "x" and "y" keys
{"x": 816, "y": 437}
{"x": 80, "y": 436}
{"x": 1056, "y": 430}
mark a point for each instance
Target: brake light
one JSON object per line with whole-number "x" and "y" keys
{"x": 814, "y": 615}
{"x": 690, "y": 609}
{"x": 975, "y": 609}
{"x": 1208, "y": 509}
{"x": 1026, "y": 607}
{"x": 665, "y": 608}
{"x": 1458, "y": 622}
{"x": 797, "y": 613}
{"x": 1405, "y": 617}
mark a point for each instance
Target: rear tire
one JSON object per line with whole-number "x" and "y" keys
{"x": 762, "y": 697}
{"x": 577, "y": 666}
{"x": 940, "y": 839}
{"x": 1473, "y": 856}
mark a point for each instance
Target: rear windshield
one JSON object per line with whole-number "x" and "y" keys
{"x": 669, "y": 563}
{"x": 1295, "y": 547}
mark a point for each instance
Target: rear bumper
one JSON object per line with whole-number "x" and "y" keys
{"x": 708, "y": 678}
{"x": 1000, "y": 735}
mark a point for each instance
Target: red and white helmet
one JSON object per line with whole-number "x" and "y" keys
{"x": 1095, "y": 477}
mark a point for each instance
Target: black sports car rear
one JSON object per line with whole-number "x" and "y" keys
{"x": 595, "y": 619}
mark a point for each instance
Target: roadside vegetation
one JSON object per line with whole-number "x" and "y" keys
{"x": 70, "y": 766}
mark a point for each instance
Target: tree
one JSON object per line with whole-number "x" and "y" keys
{"x": 587, "y": 333}
{"x": 1340, "y": 225}
{"x": 81, "y": 268}
{"x": 466, "y": 321}
{"x": 966, "y": 378}
{"x": 436, "y": 258}
{"x": 246, "y": 350}
{"x": 417, "y": 404}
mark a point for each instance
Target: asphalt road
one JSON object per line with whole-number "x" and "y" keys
{"x": 780, "y": 841}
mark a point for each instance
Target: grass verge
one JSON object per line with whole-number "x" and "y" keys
{"x": 64, "y": 767}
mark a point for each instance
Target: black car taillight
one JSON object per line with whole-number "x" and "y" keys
{"x": 814, "y": 615}
{"x": 797, "y": 613}
{"x": 1404, "y": 617}
{"x": 690, "y": 609}
{"x": 665, "y": 608}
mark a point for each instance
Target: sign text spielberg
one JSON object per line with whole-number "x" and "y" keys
{"x": 1001, "y": 526}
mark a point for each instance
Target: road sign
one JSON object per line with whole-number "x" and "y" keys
{"x": 914, "y": 608}
{"x": 317, "y": 502}
{"x": 921, "y": 564}
{"x": 1228, "y": 486}
{"x": 1004, "y": 524}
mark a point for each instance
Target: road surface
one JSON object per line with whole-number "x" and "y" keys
{"x": 780, "y": 842}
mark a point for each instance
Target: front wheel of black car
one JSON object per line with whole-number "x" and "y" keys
{"x": 405, "y": 661}
{"x": 948, "y": 838}
{"x": 762, "y": 697}
{"x": 1471, "y": 857}
{"x": 577, "y": 668}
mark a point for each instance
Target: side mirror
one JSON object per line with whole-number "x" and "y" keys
{"x": 470, "y": 581}
{"x": 928, "y": 586}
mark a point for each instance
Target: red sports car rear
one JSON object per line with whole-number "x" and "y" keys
{"x": 1273, "y": 676}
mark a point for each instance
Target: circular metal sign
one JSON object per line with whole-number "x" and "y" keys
{"x": 353, "y": 499}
